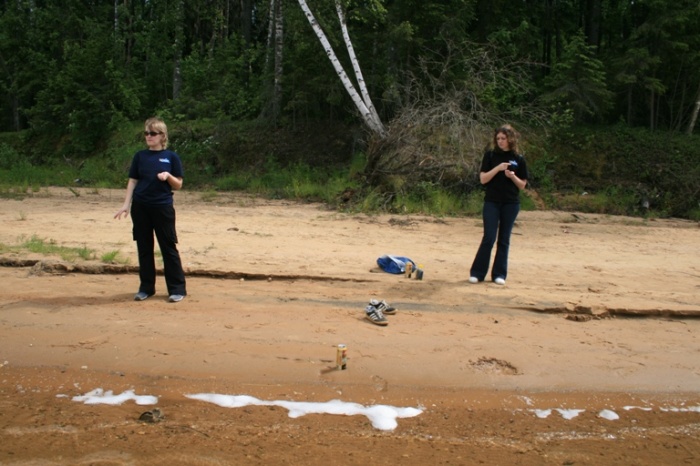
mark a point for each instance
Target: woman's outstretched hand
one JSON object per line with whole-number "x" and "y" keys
{"x": 123, "y": 211}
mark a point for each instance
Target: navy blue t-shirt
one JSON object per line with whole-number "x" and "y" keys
{"x": 145, "y": 167}
{"x": 500, "y": 188}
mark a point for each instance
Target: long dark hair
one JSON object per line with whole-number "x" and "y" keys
{"x": 511, "y": 134}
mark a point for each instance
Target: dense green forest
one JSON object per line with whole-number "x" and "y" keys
{"x": 605, "y": 92}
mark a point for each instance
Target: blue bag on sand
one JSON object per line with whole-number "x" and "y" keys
{"x": 394, "y": 264}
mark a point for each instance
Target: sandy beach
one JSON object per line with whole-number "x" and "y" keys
{"x": 590, "y": 354}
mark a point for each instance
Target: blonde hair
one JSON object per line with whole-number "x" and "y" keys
{"x": 156, "y": 124}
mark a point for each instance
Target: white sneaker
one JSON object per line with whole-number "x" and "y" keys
{"x": 499, "y": 281}
{"x": 473, "y": 280}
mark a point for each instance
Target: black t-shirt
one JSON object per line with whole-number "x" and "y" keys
{"x": 145, "y": 167}
{"x": 500, "y": 188}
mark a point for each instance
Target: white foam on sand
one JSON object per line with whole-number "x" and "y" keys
{"x": 382, "y": 417}
{"x": 688, "y": 409}
{"x": 567, "y": 414}
{"x": 99, "y": 396}
{"x": 643, "y": 408}
{"x": 609, "y": 415}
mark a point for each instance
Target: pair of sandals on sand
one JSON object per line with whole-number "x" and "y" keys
{"x": 375, "y": 311}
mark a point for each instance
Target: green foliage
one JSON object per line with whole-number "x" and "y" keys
{"x": 221, "y": 84}
{"x": 237, "y": 181}
{"x": 42, "y": 246}
{"x": 112, "y": 257}
{"x": 209, "y": 196}
{"x": 613, "y": 200}
{"x": 694, "y": 214}
{"x": 540, "y": 165}
{"x": 49, "y": 247}
{"x": 425, "y": 198}
{"x": 10, "y": 158}
{"x": 655, "y": 64}
{"x": 74, "y": 70}
{"x": 431, "y": 199}
{"x": 373, "y": 200}
{"x": 298, "y": 181}
{"x": 619, "y": 168}
{"x": 578, "y": 82}
{"x": 196, "y": 142}
{"x": 85, "y": 92}
{"x": 306, "y": 185}
{"x": 634, "y": 167}
{"x": 75, "y": 74}
{"x": 30, "y": 177}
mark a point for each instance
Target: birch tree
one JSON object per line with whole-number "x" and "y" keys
{"x": 177, "y": 48}
{"x": 355, "y": 63}
{"x": 694, "y": 115}
{"x": 362, "y": 101}
{"x": 279, "y": 48}
{"x": 275, "y": 47}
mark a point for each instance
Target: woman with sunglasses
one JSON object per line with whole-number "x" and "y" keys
{"x": 153, "y": 176}
{"x": 504, "y": 174}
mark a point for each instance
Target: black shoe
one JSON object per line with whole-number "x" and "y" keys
{"x": 375, "y": 315}
{"x": 383, "y": 306}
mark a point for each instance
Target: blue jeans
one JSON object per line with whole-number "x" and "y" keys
{"x": 498, "y": 224}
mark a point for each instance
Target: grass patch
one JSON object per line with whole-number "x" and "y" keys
{"x": 51, "y": 248}
{"x": 527, "y": 202}
{"x": 209, "y": 196}
{"x": 113, "y": 257}
{"x": 298, "y": 181}
{"x": 429, "y": 199}
{"x": 694, "y": 214}
{"x": 16, "y": 192}
{"x": 612, "y": 201}
{"x": 26, "y": 178}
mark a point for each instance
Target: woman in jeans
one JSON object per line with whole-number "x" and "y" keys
{"x": 504, "y": 173}
{"x": 153, "y": 176}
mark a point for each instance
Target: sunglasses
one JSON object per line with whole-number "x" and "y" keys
{"x": 151, "y": 133}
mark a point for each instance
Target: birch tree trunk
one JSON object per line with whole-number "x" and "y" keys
{"x": 177, "y": 48}
{"x": 279, "y": 47}
{"x": 270, "y": 32}
{"x": 368, "y": 117}
{"x": 694, "y": 116}
{"x": 355, "y": 63}
{"x": 274, "y": 56}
